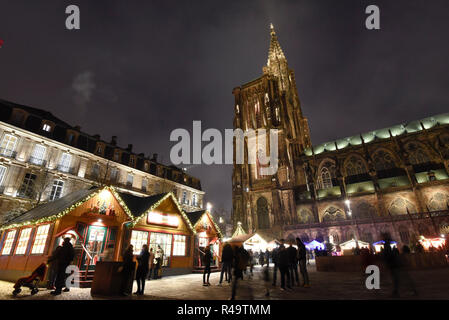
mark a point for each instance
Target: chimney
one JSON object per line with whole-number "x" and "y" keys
{"x": 114, "y": 140}
{"x": 130, "y": 147}
{"x": 154, "y": 158}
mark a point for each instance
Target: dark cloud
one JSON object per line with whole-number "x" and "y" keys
{"x": 158, "y": 65}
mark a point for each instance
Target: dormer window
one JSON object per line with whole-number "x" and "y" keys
{"x": 117, "y": 155}
{"x": 131, "y": 161}
{"x": 46, "y": 127}
{"x": 100, "y": 149}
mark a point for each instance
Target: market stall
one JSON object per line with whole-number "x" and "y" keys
{"x": 380, "y": 244}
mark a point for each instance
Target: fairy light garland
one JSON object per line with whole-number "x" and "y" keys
{"x": 133, "y": 218}
{"x": 211, "y": 219}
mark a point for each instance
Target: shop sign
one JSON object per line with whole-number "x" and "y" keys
{"x": 163, "y": 219}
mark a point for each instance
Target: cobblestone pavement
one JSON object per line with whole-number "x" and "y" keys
{"x": 431, "y": 284}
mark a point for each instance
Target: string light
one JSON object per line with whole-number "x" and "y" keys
{"x": 134, "y": 219}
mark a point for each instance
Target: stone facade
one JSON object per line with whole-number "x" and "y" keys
{"x": 43, "y": 158}
{"x": 389, "y": 180}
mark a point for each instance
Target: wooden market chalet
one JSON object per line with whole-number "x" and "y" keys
{"x": 99, "y": 218}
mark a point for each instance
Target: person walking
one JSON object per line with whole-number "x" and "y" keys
{"x": 302, "y": 257}
{"x": 53, "y": 269}
{"x": 227, "y": 256}
{"x": 251, "y": 263}
{"x": 127, "y": 270}
{"x": 293, "y": 264}
{"x": 241, "y": 258}
{"x": 261, "y": 258}
{"x": 275, "y": 258}
{"x": 159, "y": 255}
{"x": 283, "y": 266}
{"x": 207, "y": 260}
{"x": 267, "y": 257}
{"x": 64, "y": 257}
{"x": 143, "y": 262}
{"x": 151, "y": 264}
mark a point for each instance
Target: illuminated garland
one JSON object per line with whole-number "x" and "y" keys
{"x": 211, "y": 219}
{"x": 134, "y": 219}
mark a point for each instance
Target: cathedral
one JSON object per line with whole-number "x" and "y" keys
{"x": 392, "y": 180}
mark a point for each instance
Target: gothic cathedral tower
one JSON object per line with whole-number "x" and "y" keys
{"x": 269, "y": 102}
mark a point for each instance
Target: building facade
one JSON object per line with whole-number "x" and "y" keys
{"x": 42, "y": 158}
{"x": 391, "y": 180}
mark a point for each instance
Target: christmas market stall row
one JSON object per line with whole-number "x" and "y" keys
{"x": 96, "y": 219}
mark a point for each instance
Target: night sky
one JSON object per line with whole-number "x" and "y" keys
{"x": 140, "y": 69}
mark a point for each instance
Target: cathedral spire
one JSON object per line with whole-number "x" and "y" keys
{"x": 275, "y": 53}
{"x": 277, "y": 63}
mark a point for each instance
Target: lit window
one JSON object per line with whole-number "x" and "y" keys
{"x": 99, "y": 149}
{"x": 179, "y": 245}
{"x": 46, "y": 127}
{"x": 184, "y": 197}
{"x": 38, "y": 154}
{"x": 138, "y": 239}
{"x": 23, "y": 241}
{"x": 8, "y": 145}
{"x": 40, "y": 239}
{"x": 8, "y": 242}
{"x": 131, "y": 161}
{"x": 194, "y": 200}
{"x": 56, "y": 190}
{"x": 64, "y": 163}
{"x": 164, "y": 240}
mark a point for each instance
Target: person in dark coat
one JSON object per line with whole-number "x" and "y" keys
{"x": 127, "y": 270}
{"x": 241, "y": 260}
{"x": 283, "y": 265}
{"x": 302, "y": 259}
{"x": 143, "y": 262}
{"x": 53, "y": 269}
{"x": 63, "y": 258}
{"x": 275, "y": 259}
{"x": 207, "y": 262}
{"x": 226, "y": 263}
{"x": 293, "y": 264}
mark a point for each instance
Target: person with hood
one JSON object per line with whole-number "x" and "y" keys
{"x": 63, "y": 258}
{"x": 226, "y": 260}
{"x": 143, "y": 260}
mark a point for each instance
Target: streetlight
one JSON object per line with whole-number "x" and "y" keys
{"x": 209, "y": 206}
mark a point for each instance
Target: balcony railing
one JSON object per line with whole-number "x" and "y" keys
{"x": 8, "y": 153}
{"x": 66, "y": 169}
{"x": 37, "y": 161}
{"x": 394, "y": 218}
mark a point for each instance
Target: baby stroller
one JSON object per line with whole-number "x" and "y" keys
{"x": 31, "y": 281}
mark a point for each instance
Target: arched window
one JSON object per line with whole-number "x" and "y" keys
{"x": 400, "y": 205}
{"x": 438, "y": 202}
{"x": 404, "y": 234}
{"x": 326, "y": 178}
{"x": 262, "y": 213}
{"x": 305, "y": 216}
{"x": 355, "y": 166}
{"x": 383, "y": 160}
{"x": 416, "y": 154}
{"x": 333, "y": 213}
{"x": 364, "y": 210}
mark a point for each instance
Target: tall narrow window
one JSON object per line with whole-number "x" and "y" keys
{"x": 194, "y": 200}
{"x": 184, "y": 197}
{"x": 96, "y": 170}
{"x": 9, "y": 241}
{"x": 114, "y": 174}
{"x": 27, "y": 188}
{"x": 8, "y": 145}
{"x": 64, "y": 163}
{"x": 56, "y": 190}
{"x": 326, "y": 178}
{"x": 37, "y": 157}
{"x": 40, "y": 239}
{"x": 2, "y": 174}
{"x": 179, "y": 245}
{"x": 144, "y": 185}
{"x": 22, "y": 244}
{"x": 129, "y": 180}
{"x": 138, "y": 239}
{"x": 46, "y": 127}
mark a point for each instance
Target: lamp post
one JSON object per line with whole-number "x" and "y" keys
{"x": 348, "y": 204}
{"x": 209, "y": 207}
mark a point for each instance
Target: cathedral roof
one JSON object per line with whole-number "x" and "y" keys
{"x": 380, "y": 134}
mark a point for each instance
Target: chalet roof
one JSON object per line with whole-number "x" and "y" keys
{"x": 140, "y": 205}
{"x": 52, "y": 208}
{"x": 194, "y": 216}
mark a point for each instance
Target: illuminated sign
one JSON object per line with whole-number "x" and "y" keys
{"x": 163, "y": 219}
